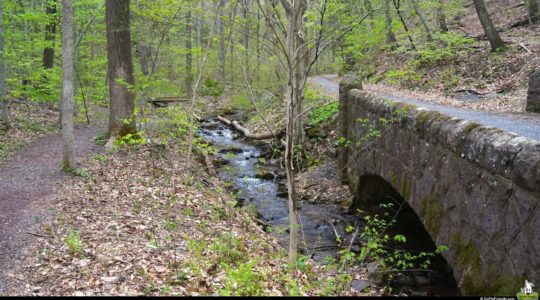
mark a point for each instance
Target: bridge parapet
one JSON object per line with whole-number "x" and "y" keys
{"x": 475, "y": 188}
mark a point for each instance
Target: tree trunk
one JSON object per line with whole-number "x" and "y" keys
{"x": 245, "y": 37}
{"x": 4, "y": 118}
{"x": 390, "y": 36}
{"x": 68, "y": 50}
{"x": 398, "y": 10}
{"x": 368, "y": 8}
{"x": 50, "y": 32}
{"x": 189, "y": 54}
{"x": 120, "y": 68}
{"x": 441, "y": 18}
{"x": 533, "y": 10}
{"x": 198, "y": 42}
{"x": 491, "y": 32}
{"x": 230, "y": 42}
{"x": 222, "y": 49}
{"x": 144, "y": 58}
{"x": 256, "y": 71}
{"x": 420, "y": 14}
{"x": 296, "y": 48}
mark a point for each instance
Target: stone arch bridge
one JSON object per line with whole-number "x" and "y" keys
{"x": 475, "y": 188}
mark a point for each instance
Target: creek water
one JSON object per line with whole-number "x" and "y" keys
{"x": 321, "y": 223}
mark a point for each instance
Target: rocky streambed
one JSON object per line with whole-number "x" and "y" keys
{"x": 257, "y": 178}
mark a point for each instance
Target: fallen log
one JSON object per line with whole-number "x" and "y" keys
{"x": 249, "y": 134}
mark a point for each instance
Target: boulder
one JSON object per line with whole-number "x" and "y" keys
{"x": 265, "y": 175}
{"x": 359, "y": 285}
{"x": 533, "y": 95}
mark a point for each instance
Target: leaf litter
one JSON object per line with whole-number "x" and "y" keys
{"x": 143, "y": 231}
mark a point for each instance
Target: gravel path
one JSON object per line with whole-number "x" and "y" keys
{"x": 523, "y": 124}
{"x": 28, "y": 182}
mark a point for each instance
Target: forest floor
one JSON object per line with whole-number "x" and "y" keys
{"x": 134, "y": 221}
{"x": 460, "y": 69}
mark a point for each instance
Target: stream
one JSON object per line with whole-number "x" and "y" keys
{"x": 258, "y": 185}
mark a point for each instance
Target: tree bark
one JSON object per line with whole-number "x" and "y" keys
{"x": 296, "y": 48}
{"x": 68, "y": 51}
{"x": 4, "y": 114}
{"x": 491, "y": 32}
{"x": 441, "y": 18}
{"x": 189, "y": 54}
{"x": 533, "y": 10}
{"x": 120, "y": 68}
{"x": 390, "y": 36}
{"x": 245, "y": 37}
{"x": 420, "y": 14}
{"x": 368, "y": 8}
{"x": 145, "y": 55}
{"x": 222, "y": 55}
{"x": 398, "y": 10}
{"x": 50, "y": 33}
{"x": 248, "y": 134}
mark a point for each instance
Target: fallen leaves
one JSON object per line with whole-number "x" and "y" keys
{"x": 146, "y": 233}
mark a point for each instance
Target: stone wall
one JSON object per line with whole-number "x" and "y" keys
{"x": 475, "y": 188}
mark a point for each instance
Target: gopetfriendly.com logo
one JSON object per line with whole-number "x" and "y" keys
{"x": 527, "y": 292}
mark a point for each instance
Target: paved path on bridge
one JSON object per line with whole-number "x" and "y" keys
{"x": 522, "y": 124}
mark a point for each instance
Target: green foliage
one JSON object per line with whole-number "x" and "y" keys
{"x": 242, "y": 280}
{"x": 444, "y": 47}
{"x": 73, "y": 241}
{"x": 130, "y": 140}
{"x": 100, "y": 157}
{"x": 303, "y": 158}
{"x": 241, "y": 102}
{"x": 81, "y": 172}
{"x": 405, "y": 76}
{"x": 313, "y": 96}
{"x": 323, "y": 113}
{"x": 101, "y": 139}
{"x": 230, "y": 249}
{"x": 211, "y": 87}
{"x": 376, "y": 246}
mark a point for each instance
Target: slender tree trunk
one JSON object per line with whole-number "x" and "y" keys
{"x": 4, "y": 114}
{"x": 231, "y": 44}
{"x": 420, "y": 14}
{"x": 441, "y": 18}
{"x": 222, "y": 49}
{"x": 296, "y": 73}
{"x": 258, "y": 47}
{"x": 120, "y": 68}
{"x": 68, "y": 50}
{"x": 189, "y": 54}
{"x": 533, "y": 10}
{"x": 245, "y": 40}
{"x": 368, "y": 8}
{"x": 390, "y": 36}
{"x": 198, "y": 26}
{"x": 491, "y": 32}
{"x": 50, "y": 32}
{"x": 144, "y": 58}
{"x": 194, "y": 95}
{"x": 398, "y": 10}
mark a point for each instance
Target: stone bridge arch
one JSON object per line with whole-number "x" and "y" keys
{"x": 476, "y": 189}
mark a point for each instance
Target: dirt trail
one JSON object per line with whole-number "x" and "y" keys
{"x": 28, "y": 182}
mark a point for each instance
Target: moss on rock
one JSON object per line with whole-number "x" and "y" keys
{"x": 432, "y": 213}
